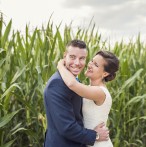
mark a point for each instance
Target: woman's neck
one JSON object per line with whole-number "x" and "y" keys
{"x": 97, "y": 83}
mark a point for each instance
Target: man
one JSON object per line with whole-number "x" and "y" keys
{"x": 63, "y": 106}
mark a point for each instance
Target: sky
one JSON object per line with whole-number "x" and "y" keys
{"x": 116, "y": 20}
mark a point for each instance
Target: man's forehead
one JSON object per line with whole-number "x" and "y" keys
{"x": 78, "y": 54}
{"x": 76, "y": 50}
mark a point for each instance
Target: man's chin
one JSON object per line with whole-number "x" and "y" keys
{"x": 76, "y": 73}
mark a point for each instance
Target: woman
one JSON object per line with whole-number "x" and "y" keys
{"x": 97, "y": 99}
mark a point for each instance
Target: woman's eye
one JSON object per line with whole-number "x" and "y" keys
{"x": 96, "y": 64}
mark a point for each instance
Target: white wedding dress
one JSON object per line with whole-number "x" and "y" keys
{"x": 94, "y": 115}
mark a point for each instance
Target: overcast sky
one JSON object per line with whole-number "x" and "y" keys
{"x": 115, "y": 19}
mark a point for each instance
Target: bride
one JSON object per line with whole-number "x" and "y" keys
{"x": 97, "y": 99}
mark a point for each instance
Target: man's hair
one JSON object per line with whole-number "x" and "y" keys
{"x": 77, "y": 43}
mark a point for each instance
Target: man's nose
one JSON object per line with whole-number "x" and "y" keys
{"x": 77, "y": 61}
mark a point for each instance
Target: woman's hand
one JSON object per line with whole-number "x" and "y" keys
{"x": 61, "y": 63}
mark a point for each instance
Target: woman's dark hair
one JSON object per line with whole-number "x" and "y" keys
{"x": 77, "y": 43}
{"x": 111, "y": 66}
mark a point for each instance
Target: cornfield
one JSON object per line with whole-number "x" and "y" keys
{"x": 28, "y": 60}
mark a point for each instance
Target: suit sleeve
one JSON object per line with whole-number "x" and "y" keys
{"x": 58, "y": 100}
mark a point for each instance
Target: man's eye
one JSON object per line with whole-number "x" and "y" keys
{"x": 83, "y": 58}
{"x": 72, "y": 57}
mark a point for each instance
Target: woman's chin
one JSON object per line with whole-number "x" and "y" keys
{"x": 87, "y": 75}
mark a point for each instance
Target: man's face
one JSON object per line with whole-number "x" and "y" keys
{"x": 75, "y": 59}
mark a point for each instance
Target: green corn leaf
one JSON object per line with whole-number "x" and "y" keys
{"x": 9, "y": 144}
{"x": 9, "y": 89}
{"x": 6, "y": 34}
{"x": 18, "y": 74}
{"x": 7, "y": 118}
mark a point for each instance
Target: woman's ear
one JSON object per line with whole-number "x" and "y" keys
{"x": 105, "y": 74}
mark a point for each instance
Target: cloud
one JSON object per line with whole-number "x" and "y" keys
{"x": 126, "y": 16}
{"x": 122, "y": 16}
{"x": 92, "y": 3}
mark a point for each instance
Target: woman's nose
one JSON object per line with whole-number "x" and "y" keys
{"x": 90, "y": 62}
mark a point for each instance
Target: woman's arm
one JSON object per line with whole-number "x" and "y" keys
{"x": 90, "y": 92}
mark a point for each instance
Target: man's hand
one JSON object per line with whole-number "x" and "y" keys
{"x": 103, "y": 132}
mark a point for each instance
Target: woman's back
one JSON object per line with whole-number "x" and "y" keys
{"x": 94, "y": 114}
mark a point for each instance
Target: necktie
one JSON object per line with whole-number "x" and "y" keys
{"x": 77, "y": 79}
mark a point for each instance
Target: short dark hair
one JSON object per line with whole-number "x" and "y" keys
{"x": 111, "y": 66}
{"x": 77, "y": 43}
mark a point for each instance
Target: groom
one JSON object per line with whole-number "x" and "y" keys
{"x": 63, "y": 106}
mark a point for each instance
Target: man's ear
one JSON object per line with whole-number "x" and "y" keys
{"x": 64, "y": 55}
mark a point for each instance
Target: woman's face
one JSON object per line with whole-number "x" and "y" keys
{"x": 95, "y": 68}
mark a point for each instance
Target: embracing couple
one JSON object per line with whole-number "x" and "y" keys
{"x": 76, "y": 113}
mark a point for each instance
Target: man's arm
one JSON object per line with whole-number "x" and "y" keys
{"x": 61, "y": 109}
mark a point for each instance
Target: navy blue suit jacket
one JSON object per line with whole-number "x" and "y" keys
{"x": 64, "y": 119}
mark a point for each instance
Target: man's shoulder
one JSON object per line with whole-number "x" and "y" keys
{"x": 57, "y": 82}
{"x": 55, "y": 76}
